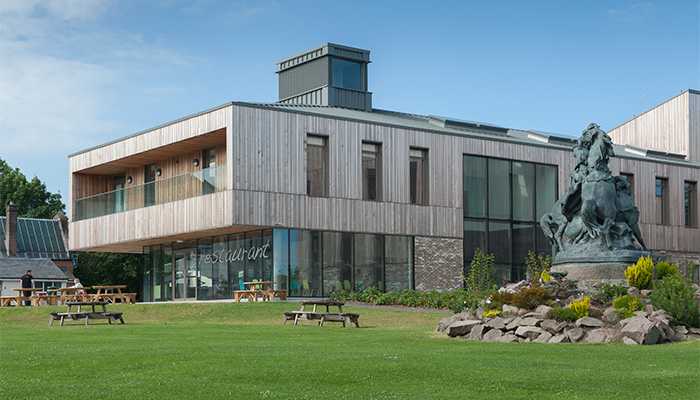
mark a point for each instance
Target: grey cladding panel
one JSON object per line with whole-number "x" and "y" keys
{"x": 304, "y": 77}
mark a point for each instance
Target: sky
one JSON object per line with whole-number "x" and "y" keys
{"x": 79, "y": 73}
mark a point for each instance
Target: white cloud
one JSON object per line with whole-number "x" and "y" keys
{"x": 634, "y": 14}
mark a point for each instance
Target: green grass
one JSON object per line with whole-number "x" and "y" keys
{"x": 241, "y": 351}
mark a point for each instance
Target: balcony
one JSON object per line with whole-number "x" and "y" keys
{"x": 198, "y": 183}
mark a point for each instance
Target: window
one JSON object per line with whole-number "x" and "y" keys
{"x": 419, "y": 176}
{"x": 662, "y": 201}
{"x": 316, "y": 166}
{"x": 630, "y": 179}
{"x": 371, "y": 171}
{"x": 347, "y": 74}
{"x": 691, "y": 204}
{"x": 208, "y": 171}
{"x": 149, "y": 190}
{"x": 118, "y": 185}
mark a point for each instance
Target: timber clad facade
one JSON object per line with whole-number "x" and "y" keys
{"x": 244, "y": 191}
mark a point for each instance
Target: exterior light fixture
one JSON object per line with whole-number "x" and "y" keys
{"x": 129, "y": 180}
{"x": 196, "y": 162}
{"x": 159, "y": 172}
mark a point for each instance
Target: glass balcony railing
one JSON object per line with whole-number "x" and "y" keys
{"x": 198, "y": 183}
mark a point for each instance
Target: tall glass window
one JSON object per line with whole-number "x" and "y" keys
{"x": 371, "y": 171}
{"x": 691, "y": 204}
{"x": 281, "y": 259}
{"x": 337, "y": 262}
{"x": 546, "y": 191}
{"x": 398, "y": 269}
{"x": 208, "y": 171}
{"x": 499, "y": 188}
{"x": 369, "y": 261}
{"x": 222, "y": 286}
{"x": 418, "y": 167}
{"x": 305, "y": 263}
{"x": 149, "y": 189}
{"x": 316, "y": 166}
{"x": 205, "y": 270}
{"x": 474, "y": 186}
{"x": 662, "y": 201}
{"x": 118, "y": 185}
{"x": 236, "y": 262}
{"x": 523, "y": 184}
{"x": 347, "y": 74}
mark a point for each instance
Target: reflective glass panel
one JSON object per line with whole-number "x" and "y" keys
{"x": 474, "y": 186}
{"x": 523, "y": 191}
{"x": 369, "y": 261}
{"x": 347, "y": 74}
{"x": 398, "y": 268}
{"x": 499, "y": 188}
{"x": 546, "y": 182}
{"x": 337, "y": 262}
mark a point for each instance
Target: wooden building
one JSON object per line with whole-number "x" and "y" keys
{"x": 320, "y": 192}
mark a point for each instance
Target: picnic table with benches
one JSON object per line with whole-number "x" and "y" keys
{"x": 259, "y": 289}
{"x": 320, "y": 316}
{"x": 111, "y": 316}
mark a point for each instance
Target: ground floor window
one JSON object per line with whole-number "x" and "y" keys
{"x": 306, "y": 263}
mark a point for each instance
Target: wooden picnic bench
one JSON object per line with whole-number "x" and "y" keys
{"x": 320, "y": 316}
{"x": 111, "y": 316}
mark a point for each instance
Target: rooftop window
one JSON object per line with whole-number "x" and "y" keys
{"x": 347, "y": 74}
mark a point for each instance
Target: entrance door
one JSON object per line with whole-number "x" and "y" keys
{"x": 185, "y": 263}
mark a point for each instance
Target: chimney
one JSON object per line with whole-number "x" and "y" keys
{"x": 11, "y": 229}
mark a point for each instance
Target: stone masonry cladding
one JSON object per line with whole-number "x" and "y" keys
{"x": 438, "y": 264}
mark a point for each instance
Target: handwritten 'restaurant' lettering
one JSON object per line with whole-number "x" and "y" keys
{"x": 240, "y": 254}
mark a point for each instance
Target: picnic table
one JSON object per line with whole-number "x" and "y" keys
{"x": 263, "y": 289}
{"x": 111, "y": 316}
{"x": 34, "y": 296}
{"x": 320, "y": 316}
{"x": 72, "y": 293}
{"x": 112, "y": 293}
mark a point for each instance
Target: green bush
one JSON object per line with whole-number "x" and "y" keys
{"x": 607, "y": 293}
{"x": 479, "y": 278}
{"x": 530, "y": 298}
{"x": 565, "y": 314}
{"x": 639, "y": 275}
{"x": 664, "y": 269}
{"x": 581, "y": 307}
{"x": 624, "y": 314}
{"x": 628, "y": 302}
{"x": 536, "y": 265}
{"x": 677, "y": 297}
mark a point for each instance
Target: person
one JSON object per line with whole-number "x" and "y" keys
{"x": 76, "y": 283}
{"x": 27, "y": 283}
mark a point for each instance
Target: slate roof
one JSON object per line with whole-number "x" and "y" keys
{"x": 36, "y": 238}
{"x": 42, "y": 269}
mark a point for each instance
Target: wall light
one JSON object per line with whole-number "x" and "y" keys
{"x": 159, "y": 172}
{"x": 129, "y": 180}
{"x": 196, "y": 162}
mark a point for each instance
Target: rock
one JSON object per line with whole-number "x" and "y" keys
{"x": 533, "y": 314}
{"x": 680, "y": 329}
{"x": 460, "y": 328}
{"x": 645, "y": 292}
{"x": 649, "y": 309}
{"x": 479, "y": 313}
{"x": 522, "y": 312}
{"x": 445, "y": 322}
{"x": 589, "y": 322}
{"x": 516, "y": 322}
{"x": 694, "y": 331}
{"x": 559, "y": 338}
{"x": 633, "y": 291}
{"x": 552, "y": 326}
{"x": 660, "y": 315}
{"x": 496, "y": 323}
{"x": 510, "y": 310}
{"x": 492, "y": 335}
{"x": 610, "y": 316}
{"x": 594, "y": 337}
{"x": 641, "y": 313}
{"x": 531, "y": 321}
{"x": 531, "y": 332}
{"x": 515, "y": 287}
{"x": 575, "y": 334}
{"x": 507, "y": 338}
{"x": 667, "y": 334}
{"x": 627, "y": 340}
{"x": 544, "y": 337}
{"x": 641, "y": 330}
{"x": 477, "y": 332}
{"x": 542, "y": 309}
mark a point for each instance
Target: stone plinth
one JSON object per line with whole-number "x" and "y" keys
{"x": 590, "y": 274}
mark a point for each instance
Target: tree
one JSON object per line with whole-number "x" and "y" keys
{"x": 31, "y": 197}
{"x": 110, "y": 269}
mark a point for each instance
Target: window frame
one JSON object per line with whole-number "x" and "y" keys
{"x": 374, "y": 149}
{"x": 318, "y": 142}
{"x": 422, "y": 155}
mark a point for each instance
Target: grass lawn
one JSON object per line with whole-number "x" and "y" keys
{"x": 242, "y": 351}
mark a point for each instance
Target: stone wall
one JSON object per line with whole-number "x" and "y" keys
{"x": 438, "y": 263}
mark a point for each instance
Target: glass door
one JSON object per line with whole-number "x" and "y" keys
{"x": 185, "y": 263}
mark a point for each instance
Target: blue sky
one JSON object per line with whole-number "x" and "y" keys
{"x": 78, "y": 73}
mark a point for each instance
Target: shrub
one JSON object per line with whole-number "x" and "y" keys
{"x": 664, "y": 269}
{"x": 530, "y": 298}
{"x": 624, "y": 314}
{"x": 607, "y": 293}
{"x": 639, "y": 275}
{"x": 369, "y": 295}
{"x": 492, "y": 313}
{"x": 502, "y": 298}
{"x": 565, "y": 314}
{"x": 536, "y": 265}
{"x": 628, "y": 302}
{"x": 677, "y": 297}
{"x": 581, "y": 307}
{"x": 479, "y": 279}
{"x": 545, "y": 277}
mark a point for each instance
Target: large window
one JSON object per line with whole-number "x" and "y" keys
{"x": 371, "y": 171}
{"x": 208, "y": 170}
{"x": 347, "y": 74}
{"x": 691, "y": 204}
{"x": 503, "y": 203}
{"x": 662, "y": 201}
{"x": 418, "y": 176}
{"x": 316, "y": 166}
{"x": 149, "y": 189}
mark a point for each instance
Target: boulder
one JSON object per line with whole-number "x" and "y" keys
{"x": 575, "y": 334}
{"x": 542, "y": 309}
{"x": 594, "y": 337}
{"x": 522, "y": 312}
{"x": 531, "y": 332}
{"x": 633, "y": 291}
{"x": 641, "y": 314}
{"x": 492, "y": 335}
{"x": 660, "y": 315}
{"x": 649, "y": 309}
{"x": 552, "y": 326}
{"x": 507, "y": 338}
{"x": 515, "y": 287}
{"x": 644, "y": 292}
{"x": 461, "y": 328}
{"x": 496, "y": 323}
{"x": 533, "y": 314}
{"x": 589, "y": 322}
{"x": 479, "y": 313}
{"x": 544, "y": 337}
{"x": 445, "y": 322}
{"x": 477, "y": 332}
{"x": 610, "y": 316}
{"x": 694, "y": 331}
{"x": 680, "y": 329}
{"x": 641, "y": 330}
{"x": 559, "y": 338}
{"x": 531, "y": 321}
{"x": 667, "y": 334}
{"x": 516, "y": 322}
{"x": 627, "y": 340}
{"x": 510, "y": 310}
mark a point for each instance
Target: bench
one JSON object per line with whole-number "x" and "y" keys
{"x": 111, "y": 316}
{"x": 270, "y": 294}
{"x": 251, "y": 295}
